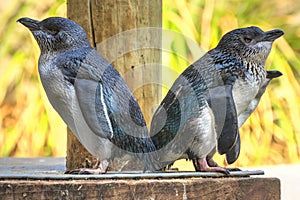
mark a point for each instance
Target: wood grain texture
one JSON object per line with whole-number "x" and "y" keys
{"x": 123, "y": 35}
{"x": 196, "y": 188}
{"x": 80, "y": 12}
{"x": 77, "y": 156}
{"x": 118, "y": 29}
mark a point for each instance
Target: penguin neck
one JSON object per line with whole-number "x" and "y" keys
{"x": 248, "y": 68}
{"x": 255, "y": 71}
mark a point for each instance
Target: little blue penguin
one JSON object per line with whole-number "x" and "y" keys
{"x": 89, "y": 94}
{"x": 212, "y": 98}
{"x": 240, "y": 61}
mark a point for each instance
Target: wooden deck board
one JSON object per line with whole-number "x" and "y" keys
{"x": 43, "y": 178}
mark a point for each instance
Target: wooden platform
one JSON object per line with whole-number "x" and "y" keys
{"x": 43, "y": 178}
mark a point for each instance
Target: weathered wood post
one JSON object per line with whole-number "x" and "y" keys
{"x": 130, "y": 52}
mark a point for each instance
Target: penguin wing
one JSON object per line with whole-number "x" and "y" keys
{"x": 110, "y": 109}
{"x": 273, "y": 74}
{"x": 222, "y": 104}
{"x": 93, "y": 107}
{"x": 233, "y": 154}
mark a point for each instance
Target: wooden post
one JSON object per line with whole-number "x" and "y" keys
{"x": 105, "y": 22}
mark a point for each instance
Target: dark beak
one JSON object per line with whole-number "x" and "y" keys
{"x": 32, "y": 24}
{"x": 272, "y": 35}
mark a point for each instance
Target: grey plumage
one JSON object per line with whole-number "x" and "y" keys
{"x": 89, "y": 94}
{"x": 233, "y": 78}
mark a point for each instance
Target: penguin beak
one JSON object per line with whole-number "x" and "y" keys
{"x": 272, "y": 35}
{"x": 31, "y": 24}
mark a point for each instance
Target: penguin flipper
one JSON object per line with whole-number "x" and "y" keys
{"x": 222, "y": 103}
{"x": 233, "y": 154}
{"x": 273, "y": 74}
{"x": 88, "y": 102}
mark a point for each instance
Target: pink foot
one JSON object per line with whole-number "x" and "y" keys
{"x": 202, "y": 166}
{"x": 213, "y": 163}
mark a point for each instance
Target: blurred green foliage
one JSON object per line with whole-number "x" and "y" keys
{"x": 30, "y": 127}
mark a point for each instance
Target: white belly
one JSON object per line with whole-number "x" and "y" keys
{"x": 244, "y": 92}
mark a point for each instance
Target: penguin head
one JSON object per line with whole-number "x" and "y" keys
{"x": 56, "y": 34}
{"x": 249, "y": 43}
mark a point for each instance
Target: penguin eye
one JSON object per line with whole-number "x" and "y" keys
{"x": 53, "y": 32}
{"x": 247, "y": 40}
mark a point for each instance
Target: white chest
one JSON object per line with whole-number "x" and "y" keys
{"x": 60, "y": 94}
{"x": 244, "y": 92}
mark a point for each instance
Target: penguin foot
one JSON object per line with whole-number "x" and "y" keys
{"x": 202, "y": 166}
{"x": 213, "y": 163}
{"x": 99, "y": 168}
